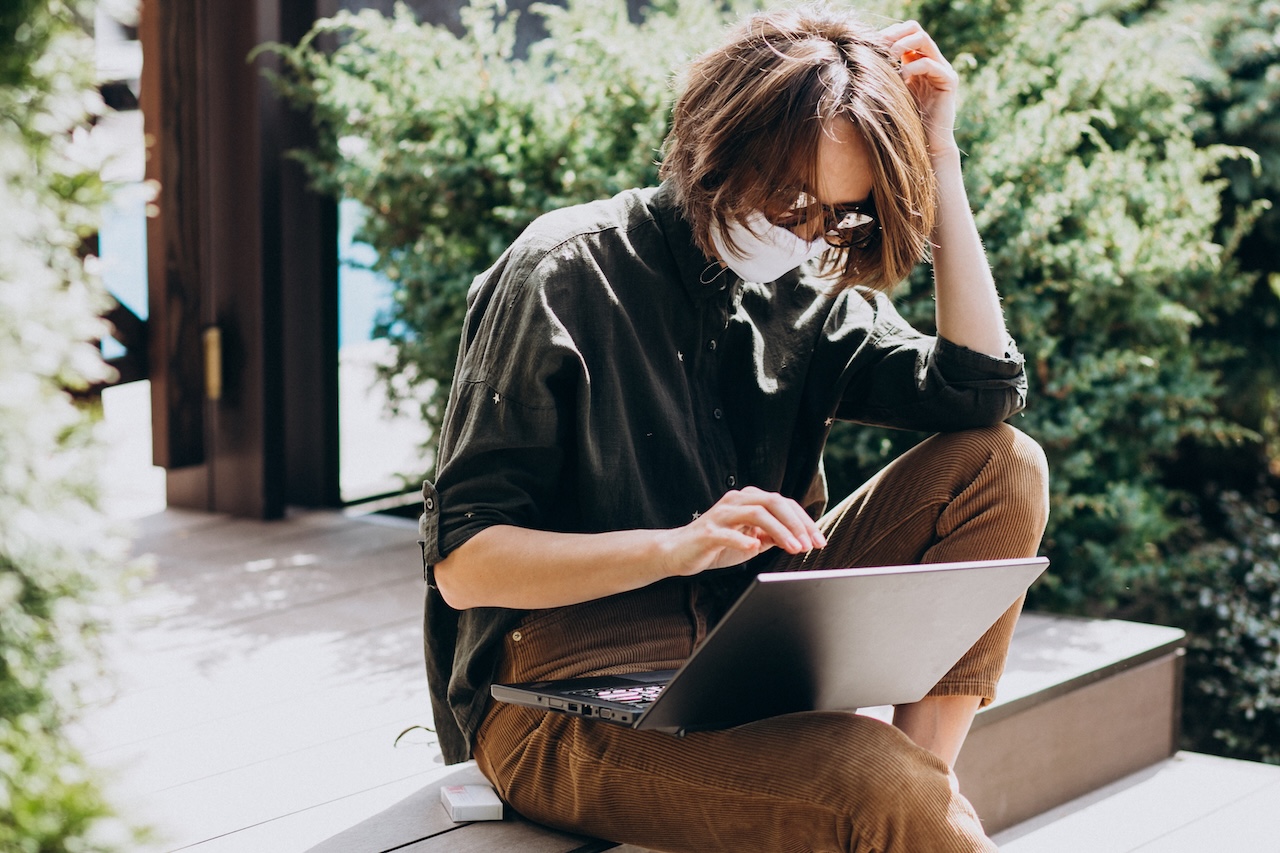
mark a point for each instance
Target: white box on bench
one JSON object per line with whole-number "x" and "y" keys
{"x": 470, "y": 802}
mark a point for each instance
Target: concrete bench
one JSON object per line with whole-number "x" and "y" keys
{"x": 419, "y": 824}
{"x": 1083, "y": 702}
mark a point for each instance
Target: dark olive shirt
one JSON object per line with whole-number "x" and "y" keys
{"x": 611, "y": 377}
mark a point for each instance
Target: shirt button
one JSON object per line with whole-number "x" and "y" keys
{"x": 731, "y": 481}
{"x": 431, "y": 504}
{"x": 517, "y": 636}
{"x": 717, "y": 414}
{"x": 711, "y": 345}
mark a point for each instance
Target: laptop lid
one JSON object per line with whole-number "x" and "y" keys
{"x": 831, "y": 639}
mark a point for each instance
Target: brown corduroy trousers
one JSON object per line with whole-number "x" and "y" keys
{"x": 814, "y": 781}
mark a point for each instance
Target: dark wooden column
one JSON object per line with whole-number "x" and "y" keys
{"x": 309, "y": 282}
{"x": 237, "y": 247}
{"x": 170, "y": 103}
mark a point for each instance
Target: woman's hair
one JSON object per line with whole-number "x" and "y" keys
{"x": 747, "y": 125}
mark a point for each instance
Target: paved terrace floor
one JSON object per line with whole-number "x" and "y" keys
{"x": 263, "y": 674}
{"x": 266, "y": 682}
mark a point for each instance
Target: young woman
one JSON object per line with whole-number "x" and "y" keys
{"x": 636, "y": 428}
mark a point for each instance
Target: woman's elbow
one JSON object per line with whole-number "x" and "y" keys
{"x": 450, "y": 580}
{"x": 475, "y": 573}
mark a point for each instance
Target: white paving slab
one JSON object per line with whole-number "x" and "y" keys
{"x": 256, "y": 695}
{"x": 1189, "y": 804}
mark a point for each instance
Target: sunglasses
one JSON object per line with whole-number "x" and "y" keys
{"x": 844, "y": 226}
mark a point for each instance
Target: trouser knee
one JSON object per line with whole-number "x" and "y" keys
{"x": 1006, "y": 474}
{"x": 890, "y": 794}
{"x": 1024, "y": 465}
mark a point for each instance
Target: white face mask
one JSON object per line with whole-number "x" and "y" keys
{"x": 767, "y": 253}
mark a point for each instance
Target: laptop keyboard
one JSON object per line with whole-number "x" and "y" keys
{"x": 633, "y": 696}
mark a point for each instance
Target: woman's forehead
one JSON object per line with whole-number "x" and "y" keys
{"x": 844, "y": 174}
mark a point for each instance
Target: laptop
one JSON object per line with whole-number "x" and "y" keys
{"x": 831, "y": 639}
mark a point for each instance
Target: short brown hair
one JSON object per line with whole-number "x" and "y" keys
{"x": 750, "y": 117}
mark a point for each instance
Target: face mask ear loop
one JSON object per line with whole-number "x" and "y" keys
{"x": 719, "y": 271}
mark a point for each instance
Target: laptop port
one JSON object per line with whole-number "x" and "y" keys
{"x": 573, "y": 706}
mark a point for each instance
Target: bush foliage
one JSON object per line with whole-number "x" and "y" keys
{"x": 1226, "y": 593}
{"x": 454, "y": 144}
{"x": 56, "y": 548}
{"x": 1098, "y": 209}
{"x": 1104, "y": 164}
{"x": 1238, "y": 95}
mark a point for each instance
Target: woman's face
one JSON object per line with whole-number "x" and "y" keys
{"x": 844, "y": 168}
{"x": 840, "y": 209}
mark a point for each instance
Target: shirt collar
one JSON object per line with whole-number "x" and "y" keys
{"x": 701, "y": 276}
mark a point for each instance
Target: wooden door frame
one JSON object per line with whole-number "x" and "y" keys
{"x": 238, "y": 245}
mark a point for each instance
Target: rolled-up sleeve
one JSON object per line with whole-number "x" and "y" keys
{"x": 971, "y": 388}
{"x": 903, "y": 379}
{"x": 505, "y": 466}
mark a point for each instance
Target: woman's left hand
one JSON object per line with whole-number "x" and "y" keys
{"x": 931, "y": 79}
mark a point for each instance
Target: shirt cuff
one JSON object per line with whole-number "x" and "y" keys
{"x": 429, "y": 531}
{"x": 961, "y": 364}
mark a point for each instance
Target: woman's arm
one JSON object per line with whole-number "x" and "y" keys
{"x": 506, "y": 566}
{"x": 968, "y": 306}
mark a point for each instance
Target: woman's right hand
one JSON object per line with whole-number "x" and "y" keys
{"x": 741, "y": 525}
{"x": 931, "y": 79}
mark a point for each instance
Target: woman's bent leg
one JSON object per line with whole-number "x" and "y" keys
{"x": 974, "y": 495}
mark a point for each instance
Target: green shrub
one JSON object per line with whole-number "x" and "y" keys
{"x": 24, "y": 34}
{"x": 1238, "y": 99}
{"x": 454, "y": 144}
{"x": 57, "y": 550}
{"x": 1226, "y": 594}
{"x": 1096, "y": 203}
{"x": 1098, "y": 210}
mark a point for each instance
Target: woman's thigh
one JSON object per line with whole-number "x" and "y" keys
{"x": 970, "y": 495}
{"x": 978, "y": 494}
